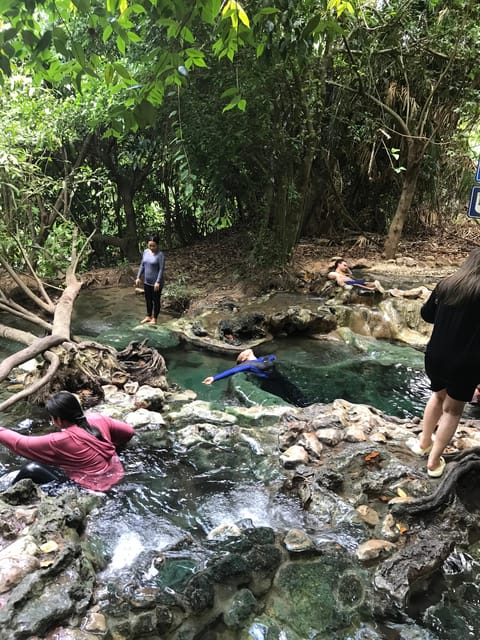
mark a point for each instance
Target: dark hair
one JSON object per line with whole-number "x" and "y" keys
{"x": 154, "y": 237}
{"x": 65, "y": 405}
{"x": 336, "y": 263}
{"x": 463, "y": 286}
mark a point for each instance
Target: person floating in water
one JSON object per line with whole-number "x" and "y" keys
{"x": 343, "y": 275}
{"x": 270, "y": 378}
{"x": 83, "y": 450}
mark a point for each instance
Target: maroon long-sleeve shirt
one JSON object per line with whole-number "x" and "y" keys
{"x": 85, "y": 459}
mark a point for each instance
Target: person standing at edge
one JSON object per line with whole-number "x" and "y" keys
{"x": 452, "y": 358}
{"x": 83, "y": 450}
{"x": 151, "y": 270}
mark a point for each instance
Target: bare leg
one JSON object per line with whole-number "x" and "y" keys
{"x": 447, "y": 425}
{"x": 431, "y": 416}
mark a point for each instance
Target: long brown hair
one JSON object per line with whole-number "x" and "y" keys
{"x": 463, "y": 286}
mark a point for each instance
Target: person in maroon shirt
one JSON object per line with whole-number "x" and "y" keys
{"x": 84, "y": 450}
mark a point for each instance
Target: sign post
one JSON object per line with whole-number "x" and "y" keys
{"x": 474, "y": 208}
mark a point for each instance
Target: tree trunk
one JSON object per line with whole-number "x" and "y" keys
{"x": 64, "y": 309}
{"x": 127, "y": 191}
{"x": 394, "y": 235}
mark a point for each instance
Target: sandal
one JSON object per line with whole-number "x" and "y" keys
{"x": 153, "y": 321}
{"x": 145, "y": 320}
{"x": 415, "y": 447}
{"x": 436, "y": 473}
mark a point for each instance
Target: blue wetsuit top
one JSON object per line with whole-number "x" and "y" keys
{"x": 249, "y": 366}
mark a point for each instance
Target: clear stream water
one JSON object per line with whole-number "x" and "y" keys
{"x": 166, "y": 497}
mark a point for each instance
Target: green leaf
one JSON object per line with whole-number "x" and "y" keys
{"x": 194, "y": 53}
{"x": 210, "y": 10}
{"x": 78, "y": 81}
{"x": 107, "y": 32}
{"x": 187, "y": 35}
{"x": 82, "y": 5}
{"x": 311, "y": 25}
{"x": 77, "y": 51}
{"x": 44, "y": 42}
{"x": 199, "y": 62}
{"x": 145, "y": 114}
{"x": 8, "y": 50}
{"x": 236, "y": 101}
{"x": 29, "y": 38}
{"x": 109, "y": 71}
{"x": 5, "y": 65}
{"x": 8, "y": 34}
{"x": 133, "y": 37}
{"x": 155, "y": 95}
{"x": 233, "y": 91}
{"x": 122, "y": 71}
{"x": 121, "y": 45}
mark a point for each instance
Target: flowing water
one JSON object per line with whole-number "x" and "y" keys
{"x": 169, "y": 496}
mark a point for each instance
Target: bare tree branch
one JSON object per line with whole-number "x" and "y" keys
{"x": 20, "y": 312}
{"x": 16, "y": 359}
{"x": 38, "y": 384}
{"x": 40, "y": 286}
{"x": 49, "y": 308}
{"x": 401, "y": 122}
{"x": 17, "y": 335}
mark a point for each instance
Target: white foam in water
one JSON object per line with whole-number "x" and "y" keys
{"x": 129, "y": 536}
{"x": 129, "y": 547}
{"x": 249, "y": 503}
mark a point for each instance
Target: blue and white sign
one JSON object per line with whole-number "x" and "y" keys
{"x": 477, "y": 175}
{"x": 474, "y": 208}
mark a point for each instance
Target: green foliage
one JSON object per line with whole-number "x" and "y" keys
{"x": 283, "y": 117}
{"x": 180, "y": 293}
{"x": 53, "y": 259}
{"x": 135, "y": 49}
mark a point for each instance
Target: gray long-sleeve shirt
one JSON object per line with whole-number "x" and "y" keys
{"x": 151, "y": 267}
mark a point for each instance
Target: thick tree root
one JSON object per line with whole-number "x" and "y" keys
{"x": 453, "y": 483}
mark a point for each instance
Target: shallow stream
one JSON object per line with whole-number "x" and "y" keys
{"x": 167, "y": 497}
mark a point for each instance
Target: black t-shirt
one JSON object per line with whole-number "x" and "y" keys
{"x": 455, "y": 339}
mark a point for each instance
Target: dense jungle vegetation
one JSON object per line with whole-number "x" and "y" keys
{"x": 289, "y": 118}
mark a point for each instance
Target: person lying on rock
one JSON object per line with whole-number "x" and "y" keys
{"x": 343, "y": 275}
{"x": 270, "y": 378}
{"x": 83, "y": 450}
